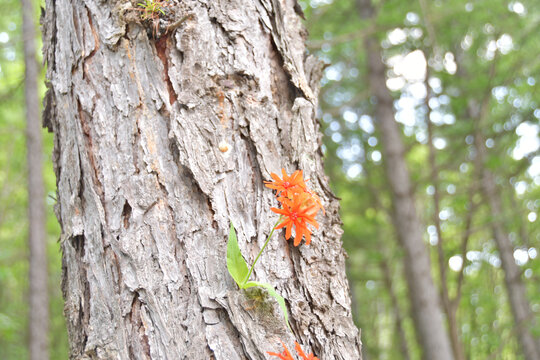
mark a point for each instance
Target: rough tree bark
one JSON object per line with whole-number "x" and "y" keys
{"x": 164, "y": 133}
{"x": 426, "y": 310}
{"x": 38, "y": 322}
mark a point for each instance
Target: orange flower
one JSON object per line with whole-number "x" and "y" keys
{"x": 299, "y": 205}
{"x": 301, "y": 353}
{"x": 298, "y": 212}
{"x": 286, "y": 355}
{"x": 289, "y": 185}
{"x": 316, "y": 199}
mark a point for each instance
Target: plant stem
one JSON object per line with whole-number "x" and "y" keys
{"x": 260, "y": 252}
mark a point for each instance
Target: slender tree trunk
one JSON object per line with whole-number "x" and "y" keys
{"x": 427, "y": 315}
{"x": 386, "y": 270}
{"x": 355, "y": 307}
{"x": 454, "y": 302}
{"x": 398, "y": 317}
{"x": 515, "y": 287}
{"x": 525, "y": 241}
{"x": 37, "y": 236}
{"x": 448, "y": 306}
{"x": 164, "y": 132}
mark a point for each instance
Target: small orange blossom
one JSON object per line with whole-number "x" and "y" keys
{"x": 302, "y": 354}
{"x": 286, "y": 355}
{"x": 297, "y": 213}
{"x": 299, "y": 205}
{"x": 289, "y": 185}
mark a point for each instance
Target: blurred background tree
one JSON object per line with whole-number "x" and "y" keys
{"x": 463, "y": 77}
{"x": 464, "y": 94}
{"x": 14, "y": 251}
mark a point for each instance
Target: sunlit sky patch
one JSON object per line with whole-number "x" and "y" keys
{"x": 455, "y": 262}
{"x": 432, "y": 233}
{"x": 521, "y": 256}
{"x": 412, "y": 18}
{"x": 350, "y": 116}
{"x": 528, "y": 142}
{"x": 397, "y": 36}
{"x": 517, "y": 7}
{"x": 354, "y": 171}
{"x": 478, "y": 256}
{"x": 316, "y": 3}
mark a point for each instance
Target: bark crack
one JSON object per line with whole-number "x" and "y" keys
{"x": 126, "y": 214}
{"x": 143, "y": 344}
{"x": 87, "y": 58}
{"x": 83, "y": 115}
{"x": 162, "y": 46}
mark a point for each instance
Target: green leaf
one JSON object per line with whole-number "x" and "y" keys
{"x": 272, "y": 291}
{"x": 235, "y": 262}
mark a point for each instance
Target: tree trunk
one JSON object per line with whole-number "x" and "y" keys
{"x": 423, "y": 294}
{"x": 450, "y": 308}
{"x": 398, "y": 317}
{"x": 38, "y": 323}
{"x": 386, "y": 268}
{"x": 164, "y": 132}
{"x": 515, "y": 287}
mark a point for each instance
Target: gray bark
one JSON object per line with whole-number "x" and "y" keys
{"x": 143, "y": 116}
{"x": 517, "y": 293}
{"x": 426, "y": 310}
{"x": 38, "y": 323}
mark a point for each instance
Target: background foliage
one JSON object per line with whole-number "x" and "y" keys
{"x": 13, "y": 201}
{"x": 476, "y": 51}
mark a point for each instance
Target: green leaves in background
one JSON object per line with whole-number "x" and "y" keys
{"x": 472, "y": 58}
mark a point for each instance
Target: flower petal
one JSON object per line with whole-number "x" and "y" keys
{"x": 288, "y": 232}
{"x": 286, "y": 222}
{"x": 280, "y": 211}
{"x": 308, "y": 238}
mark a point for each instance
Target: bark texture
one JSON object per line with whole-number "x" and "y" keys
{"x": 164, "y": 133}
{"x": 426, "y": 310}
{"x": 38, "y": 323}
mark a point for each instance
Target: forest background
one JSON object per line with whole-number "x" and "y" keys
{"x": 442, "y": 58}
